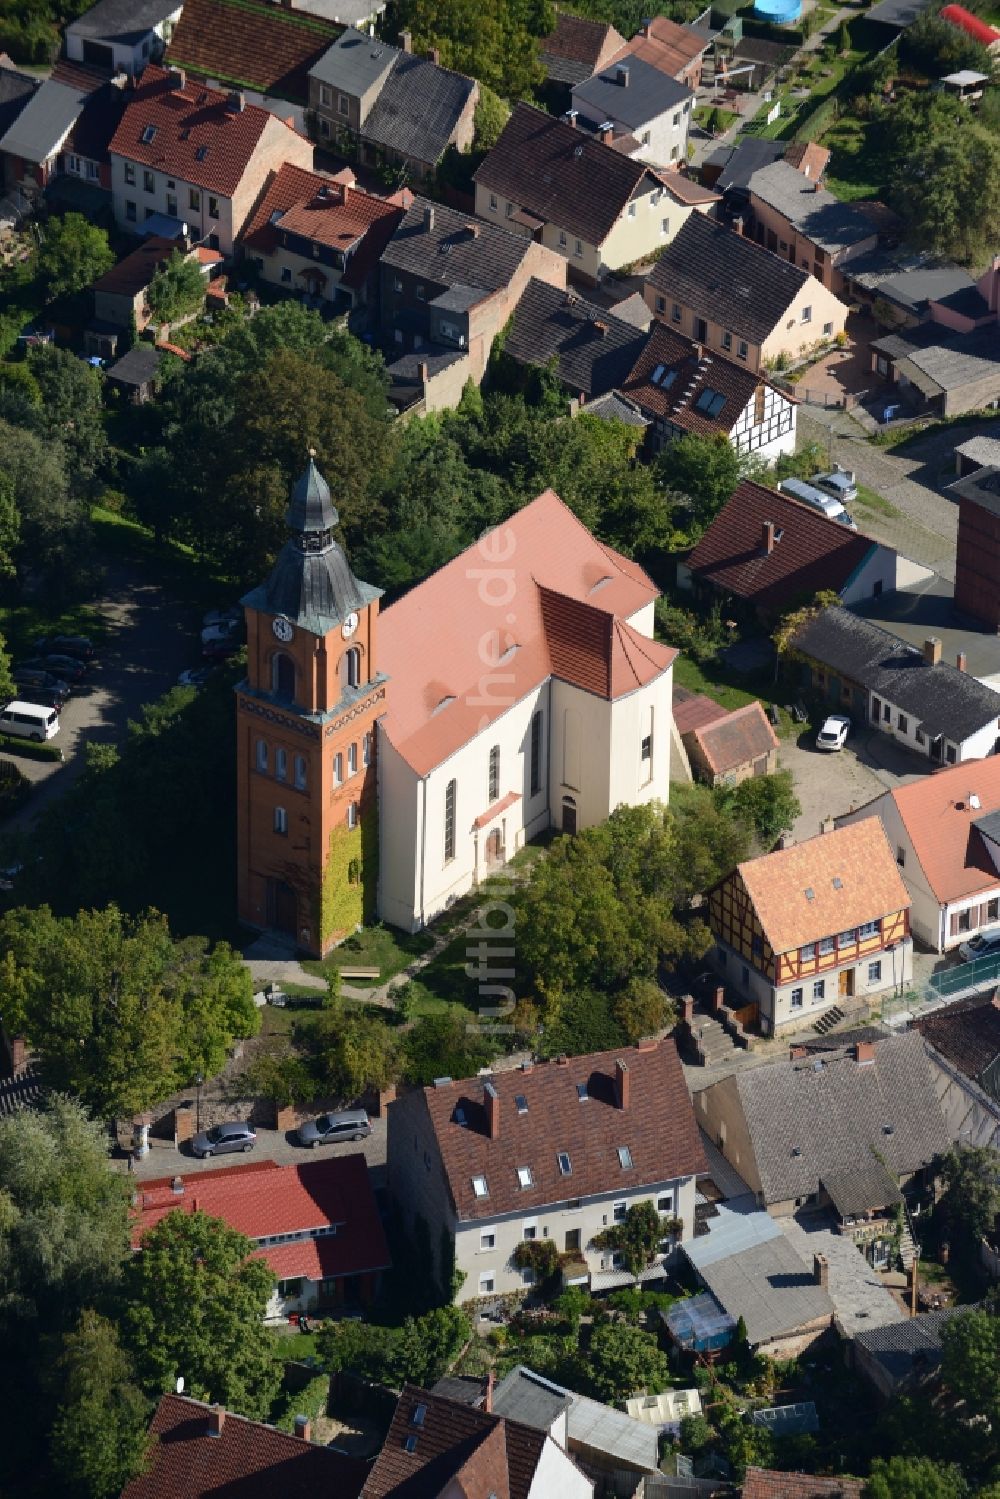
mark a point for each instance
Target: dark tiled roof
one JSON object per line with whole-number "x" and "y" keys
{"x": 649, "y": 92}
{"x": 687, "y": 399}
{"x": 748, "y": 156}
{"x": 456, "y": 250}
{"x": 658, "y": 1127}
{"x": 355, "y": 62}
{"x": 861, "y": 1185}
{"x": 418, "y": 109}
{"x": 904, "y": 1348}
{"x": 574, "y": 50}
{"x": 526, "y": 1396}
{"x": 15, "y": 91}
{"x": 816, "y": 1118}
{"x": 614, "y": 407}
{"x": 942, "y": 699}
{"x": 735, "y": 740}
{"x": 968, "y": 1035}
{"x": 138, "y": 366}
{"x": 452, "y": 1443}
{"x": 251, "y": 45}
{"x": 565, "y": 176}
{"x": 136, "y": 271}
{"x": 817, "y": 215}
{"x": 763, "y": 1483}
{"x": 247, "y": 1460}
{"x": 121, "y": 20}
{"x": 813, "y": 554}
{"x": 595, "y": 350}
{"x": 726, "y": 278}
{"x": 97, "y": 122}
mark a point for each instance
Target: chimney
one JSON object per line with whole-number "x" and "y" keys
{"x": 687, "y": 1008}
{"x": 303, "y": 1428}
{"x": 767, "y": 537}
{"x": 526, "y": 1066}
{"x": 961, "y": 661}
{"x": 827, "y": 825}
{"x": 570, "y": 117}
{"x": 422, "y": 372}
{"x": 647, "y": 27}
{"x": 177, "y": 1184}
{"x": 718, "y": 998}
{"x": 786, "y": 841}
{"x": 434, "y": 56}
{"x": 488, "y": 1396}
{"x": 738, "y": 224}
{"x": 406, "y": 41}
{"x": 216, "y": 1420}
{"x": 932, "y": 650}
{"x": 607, "y": 133}
{"x": 472, "y": 230}
{"x": 648, "y": 1043}
{"x": 562, "y": 1060}
{"x": 621, "y": 75}
{"x": 178, "y": 78}
{"x": 429, "y": 218}
{"x": 796, "y": 1053}
{"x": 864, "y": 1053}
{"x": 821, "y": 1271}
{"x": 236, "y": 103}
{"x": 599, "y": 328}
{"x": 621, "y": 1084}
{"x": 491, "y": 1103}
{"x": 345, "y": 192}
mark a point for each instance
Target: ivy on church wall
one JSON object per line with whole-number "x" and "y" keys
{"x": 347, "y": 897}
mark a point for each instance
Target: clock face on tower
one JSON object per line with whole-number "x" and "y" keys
{"x": 283, "y": 628}
{"x": 349, "y": 626}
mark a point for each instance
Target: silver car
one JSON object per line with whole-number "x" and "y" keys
{"x": 224, "y": 1137}
{"x": 352, "y": 1124}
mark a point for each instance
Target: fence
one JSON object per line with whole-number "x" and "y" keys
{"x": 974, "y": 975}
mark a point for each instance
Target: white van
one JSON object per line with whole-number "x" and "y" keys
{"x": 29, "y": 721}
{"x": 810, "y": 495}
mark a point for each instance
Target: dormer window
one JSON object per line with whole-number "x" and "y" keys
{"x": 565, "y": 1164}
{"x": 479, "y": 1186}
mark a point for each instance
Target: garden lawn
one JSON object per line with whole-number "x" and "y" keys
{"x": 729, "y": 689}
{"x": 868, "y": 499}
{"x": 383, "y": 947}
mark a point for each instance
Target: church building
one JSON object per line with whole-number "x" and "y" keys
{"x": 388, "y": 763}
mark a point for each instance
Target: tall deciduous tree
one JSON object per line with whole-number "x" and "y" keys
{"x": 970, "y": 1364}
{"x": 178, "y": 287}
{"x": 99, "y": 1440}
{"x": 971, "y": 1200}
{"x": 72, "y": 409}
{"x": 767, "y": 803}
{"x": 74, "y": 253}
{"x": 623, "y": 1360}
{"x": 706, "y": 469}
{"x": 196, "y": 1309}
{"x": 914, "y": 1478}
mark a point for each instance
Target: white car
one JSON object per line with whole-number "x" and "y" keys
{"x": 833, "y": 734}
{"x": 985, "y": 945}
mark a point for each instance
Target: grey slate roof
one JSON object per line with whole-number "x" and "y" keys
{"x": 983, "y": 450}
{"x": 648, "y": 94}
{"x": 355, "y": 62}
{"x": 449, "y": 253}
{"x": 862, "y": 1184}
{"x": 898, "y": 13}
{"x": 949, "y": 363}
{"x": 121, "y": 20}
{"x": 418, "y": 109}
{"x": 905, "y": 1348}
{"x": 942, "y": 699}
{"x": 769, "y": 1286}
{"x": 614, "y": 407}
{"x": 834, "y": 1113}
{"x": 15, "y": 91}
{"x": 815, "y": 213}
{"x": 534, "y": 1401}
{"x": 726, "y": 278}
{"x": 138, "y": 366}
{"x": 528, "y": 1397}
{"x": 594, "y": 349}
{"x": 44, "y": 121}
{"x": 914, "y": 289}
{"x": 741, "y": 161}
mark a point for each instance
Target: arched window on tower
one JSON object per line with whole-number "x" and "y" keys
{"x": 283, "y": 676}
{"x": 338, "y": 769}
{"x": 280, "y": 820}
{"x": 262, "y": 754}
{"x": 351, "y": 667}
{"x": 300, "y": 772}
{"x": 352, "y": 760}
{"x": 281, "y": 764}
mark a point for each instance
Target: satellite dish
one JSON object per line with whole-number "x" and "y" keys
{"x": 179, "y": 1386}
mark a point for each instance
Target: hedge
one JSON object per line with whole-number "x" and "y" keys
{"x": 28, "y": 747}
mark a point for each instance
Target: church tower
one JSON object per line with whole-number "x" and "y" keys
{"x": 307, "y": 820}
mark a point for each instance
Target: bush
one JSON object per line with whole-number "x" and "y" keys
{"x": 15, "y": 788}
{"x": 310, "y": 1401}
{"x": 29, "y": 749}
{"x": 700, "y": 637}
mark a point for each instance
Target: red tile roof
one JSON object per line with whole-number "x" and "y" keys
{"x": 573, "y": 597}
{"x": 940, "y": 819}
{"x": 696, "y": 374}
{"x": 247, "y": 1460}
{"x": 579, "y": 40}
{"x": 762, "y": 1483}
{"x": 133, "y": 274}
{"x": 813, "y": 554}
{"x": 658, "y": 1127}
{"x": 692, "y": 710}
{"x": 187, "y": 121}
{"x": 669, "y": 47}
{"x": 262, "y": 1199}
{"x": 736, "y": 739}
{"x": 970, "y": 24}
{"x": 251, "y": 45}
{"x": 480, "y": 1454}
{"x": 808, "y": 158}
{"x": 337, "y": 214}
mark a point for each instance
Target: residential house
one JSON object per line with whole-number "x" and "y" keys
{"x": 799, "y": 931}
{"x": 122, "y": 36}
{"x": 977, "y": 559}
{"x": 251, "y": 45}
{"x": 121, "y": 294}
{"x": 681, "y": 387}
{"x": 945, "y": 830}
{"x": 941, "y": 372}
{"x": 771, "y": 552}
{"x": 973, "y": 26}
{"x": 322, "y": 238}
{"x": 197, "y": 156}
{"x": 902, "y": 1357}
{"x": 765, "y": 1483}
{"x": 441, "y": 1448}
{"x": 448, "y": 285}
{"x": 914, "y": 289}
{"x": 16, "y": 89}
{"x": 727, "y": 293}
{"x": 734, "y": 747}
{"x": 676, "y": 51}
{"x": 388, "y": 105}
{"x": 731, "y": 169}
{"x": 600, "y": 1440}
{"x": 963, "y": 1049}
{"x": 844, "y": 1137}
{"x": 316, "y": 1225}
{"x": 935, "y": 709}
{"x": 61, "y": 135}
{"x": 592, "y": 349}
{"x": 571, "y": 720}
{"x": 577, "y": 48}
{"x": 567, "y": 188}
{"x": 200, "y": 1449}
{"x": 633, "y": 101}
{"x": 557, "y": 1151}
{"x": 799, "y": 220}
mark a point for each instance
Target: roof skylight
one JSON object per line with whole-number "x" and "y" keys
{"x": 565, "y": 1164}
{"x": 521, "y": 1103}
{"x": 624, "y": 1158}
{"x": 149, "y": 135}
{"x": 710, "y": 402}
{"x": 524, "y": 1176}
{"x": 479, "y": 1186}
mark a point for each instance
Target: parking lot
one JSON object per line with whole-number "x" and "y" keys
{"x": 272, "y": 1145}
{"x": 829, "y": 785}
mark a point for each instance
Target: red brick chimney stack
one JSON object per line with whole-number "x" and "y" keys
{"x": 622, "y": 1085}
{"x": 491, "y": 1103}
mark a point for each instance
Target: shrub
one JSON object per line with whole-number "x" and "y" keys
{"x": 539, "y": 1255}
{"x": 15, "y": 788}
{"x": 309, "y": 1401}
{"x": 30, "y": 750}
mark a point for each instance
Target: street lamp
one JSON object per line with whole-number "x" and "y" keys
{"x": 198, "y": 1082}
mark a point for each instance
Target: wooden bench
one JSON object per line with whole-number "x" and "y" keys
{"x": 360, "y": 973}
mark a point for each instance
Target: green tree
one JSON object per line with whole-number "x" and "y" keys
{"x": 492, "y": 114}
{"x": 914, "y": 1478}
{"x": 624, "y": 1360}
{"x": 767, "y": 803}
{"x": 642, "y": 1008}
{"x": 489, "y": 40}
{"x": 418, "y": 1352}
{"x": 706, "y": 469}
{"x": 63, "y": 1215}
{"x": 970, "y": 1363}
{"x": 357, "y": 1052}
{"x": 120, "y": 1013}
{"x": 99, "y": 1440}
{"x": 844, "y": 36}
{"x": 73, "y": 409}
{"x": 971, "y": 1200}
{"x": 637, "y": 1239}
{"x": 45, "y": 529}
{"x": 74, "y": 253}
{"x": 177, "y": 288}
{"x": 196, "y": 1304}
{"x": 696, "y": 1435}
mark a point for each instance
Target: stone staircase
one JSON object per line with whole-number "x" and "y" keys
{"x": 713, "y": 1044}
{"x": 828, "y": 1020}
{"x": 907, "y": 1248}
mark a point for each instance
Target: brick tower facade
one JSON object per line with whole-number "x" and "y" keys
{"x": 307, "y": 818}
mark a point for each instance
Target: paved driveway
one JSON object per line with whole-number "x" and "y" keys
{"x": 272, "y": 1145}
{"x": 830, "y": 785}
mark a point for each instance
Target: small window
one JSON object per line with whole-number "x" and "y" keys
{"x": 366, "y": 750}
{"x": 449, "y": 820}
{"x": 727, "y": 340}
{"x": 486, "y": 1283}
{"x": 352, "y": 666}
{"x": 487, "y": 1239}
{"x": 665, "y": 1202}
{"x": 868, "y": 929}
{"x": 664, "y": 227}
{"x": 675, "y": 313}
{"x": 631, "y": 210}
{"x": 130, "y": 212}
{"x": 421, "y": 294}
{"x": 338, "y": 770}
{"x": 848, "y": 938}
{"x": 325, "y": 96}
{"x": 520, "y": 1103}
{"x": 262, "y": 754}
{"x": 493, "y": 202}
{"x": 286, "y": 275}
{"x": 493, "y": 790}
{"x": 344, "y": 104}
{"x": 148, "y": 182}
{"x": 625, "y": 1158}
{"x": 417, "y": 1419}
{"x": 130, "y": 173}
{"x": 807, "y": 314}
{"x": 281, "y": 764}
{"x": 479, "y": 1186}
{"x": 796, "y": 999}
{"x": 646, "y": 748}
{"x": 524, "y": 1177}
{"x": 536, "y": 753}
{"x": 300, "y": 772}
{"x": 619, "y": 1212}
{"x": 742, "y": 349}
{"x": 827, "y": 330}
{"x": 826, "y": 946}
{"x": 578, "y": 248}
{"x": 819, "y": 990}
{"x": 352, "y": 759}
{"x": 565, "y": 1164}
{"x": 904, "y": 724}
{"x": 194, "y": 200}
{"x": 201, "y": 154}
{"x": 529, "y": 1232}
{"x": 280, "y": 820}
{"x": 582, "y": 1092}
{"x": 148, "y": 135}
{"x": 808, "y": 952}
{"x": 875, "y": 972}
{"x": 352, "y": 815}
{"x": 213, "y": 208}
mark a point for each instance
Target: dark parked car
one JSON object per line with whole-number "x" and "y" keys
{"x": 352, "y": 1124}
{"x": 37, "y": 685}
{"x": 224, "y": 1137}
{"x": 67, "y": 667}
{"x": 67, "y": 645}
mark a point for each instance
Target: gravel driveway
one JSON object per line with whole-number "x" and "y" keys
{"x": 830, "y": 785}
